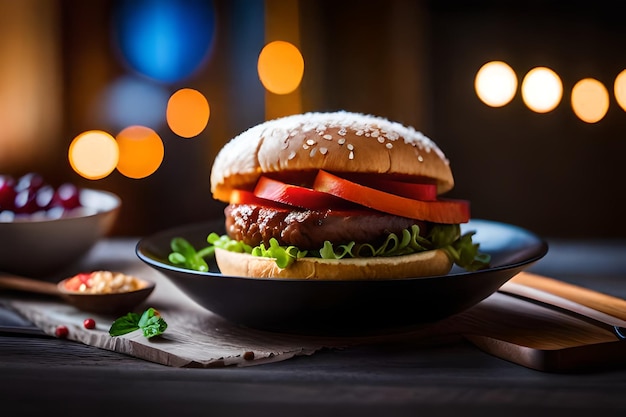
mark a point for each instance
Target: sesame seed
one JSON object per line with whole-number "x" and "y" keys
{"x": 313, "y": 152}
{"x": 328, "y": 137}
{"x": 351, "y": 155}
{"x": 341, "y": 141}
{"x": 381, "y": 139}
{"x": 305, "y": 146}
{"x": 340, "y": 123}
{"x": 350, "y": 146}
{"x": 292, "y": 155}
{"x": 310, "y": 142}
{"x": 323, "y": 150}
{"x": 420, "y": 158}
{"x": 389, "y": 145}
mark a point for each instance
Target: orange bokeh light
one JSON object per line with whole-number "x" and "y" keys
{"x": 141, "y": 151}
{"x": 280, "y": 67}
{"x": 590, "y": 100}
{"x": 619, "y": 89}
{"x": 188, "y": 112}
{"x": 93, "y": 154}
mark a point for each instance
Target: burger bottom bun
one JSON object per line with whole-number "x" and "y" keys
{"x": 422, "y": 264}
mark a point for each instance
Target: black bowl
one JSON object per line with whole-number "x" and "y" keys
{"x": 345, "y": 307}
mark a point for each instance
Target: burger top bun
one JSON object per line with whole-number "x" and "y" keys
{"x": 337, "y": 142}
{"x": 421, "y": 264}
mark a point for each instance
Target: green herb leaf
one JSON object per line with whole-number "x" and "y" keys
{"x": 150, "y": 322}
{"x": 125, "y": 324}
{"x": 183, "y": 253}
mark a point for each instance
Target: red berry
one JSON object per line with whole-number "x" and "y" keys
{"x": 7, "y": 192}
{"x": 89, "y": 323}
{"x": 31, "y": 181}
{"x": 25, "y": 202}
{"x": 67, "y": 196}
{"x": 43, "y": 197}
{"x": 61, "y": 331}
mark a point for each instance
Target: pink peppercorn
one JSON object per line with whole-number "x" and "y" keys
{"x": 61, "y": 331}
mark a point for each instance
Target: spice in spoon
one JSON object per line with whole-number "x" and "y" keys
{"x": 103, "y": 282}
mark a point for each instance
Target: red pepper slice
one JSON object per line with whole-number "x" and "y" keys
{"x": 295, "y": 195}
{"x": 439, "y": 211}
{"x": 416, "y": 191}
{"x": 247, "y": 197}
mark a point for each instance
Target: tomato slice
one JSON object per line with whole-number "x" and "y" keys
{"x": 416, "y": 191}
{"x": 295, "y": 195}
{"x": 425, "y": 189}
{"x": 247, "y": 197}
{"x": 439, "y": 211}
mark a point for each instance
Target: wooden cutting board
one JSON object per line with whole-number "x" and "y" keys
{"x": 544, "y": 338}
{"x": 515, "y": 330}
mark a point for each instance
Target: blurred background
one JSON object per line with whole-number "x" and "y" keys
{"x": 542, "y": 150}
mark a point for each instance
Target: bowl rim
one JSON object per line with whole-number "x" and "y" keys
{"x": 116, "y": 203}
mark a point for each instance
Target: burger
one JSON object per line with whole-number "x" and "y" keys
{"x": 338, "y": 196}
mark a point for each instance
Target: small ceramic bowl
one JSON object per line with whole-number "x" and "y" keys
{"x": 40, "y": 247}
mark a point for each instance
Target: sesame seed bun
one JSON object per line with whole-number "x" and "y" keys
{"x": 335, "y": 141}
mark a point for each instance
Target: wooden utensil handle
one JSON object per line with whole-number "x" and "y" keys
{"x": 610, "y": 305}
{"x": 566, "y": 305}
{"x": 28, "y": 285}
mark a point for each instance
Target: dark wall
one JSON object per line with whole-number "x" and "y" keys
{"x": 551, "y": 173}
{"x": 410, "y": 61}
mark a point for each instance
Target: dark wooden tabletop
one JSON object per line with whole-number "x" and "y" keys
{"x": 42, "y": 375}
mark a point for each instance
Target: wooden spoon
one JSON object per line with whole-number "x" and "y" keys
{"x": 109, "y": 303}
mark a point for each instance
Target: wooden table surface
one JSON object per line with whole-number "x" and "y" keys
{"x": 42, "y": 375}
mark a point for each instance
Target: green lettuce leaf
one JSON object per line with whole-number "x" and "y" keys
{"x": 284, "y": 255}
{"x": 461, "y": 249}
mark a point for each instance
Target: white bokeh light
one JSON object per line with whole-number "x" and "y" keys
{"x": 542, "y": 90}
{"x": 495, "y": 83}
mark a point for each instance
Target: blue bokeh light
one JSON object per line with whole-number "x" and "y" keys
{"x": 166, "y": 40}
{"x": 131, "y": 100}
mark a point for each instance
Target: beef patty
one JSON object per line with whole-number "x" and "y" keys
{"x": 308, "y": 229}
